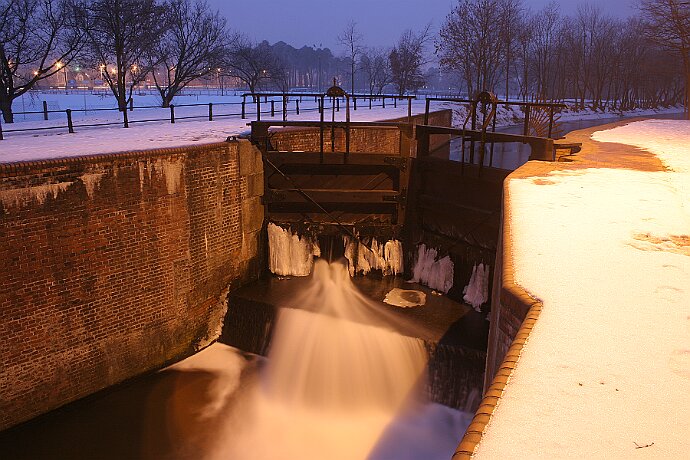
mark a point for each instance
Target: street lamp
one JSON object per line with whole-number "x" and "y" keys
{"x": 59, "y": 65}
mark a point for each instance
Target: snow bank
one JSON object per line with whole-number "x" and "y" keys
{"x": 607, "y": 366}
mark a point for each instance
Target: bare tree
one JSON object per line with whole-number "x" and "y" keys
{"x": 251, "y": 63}
{"x": 121, "y": 35}
{"x": 192, "y": 46}
{"x": 37, "y": 39}
{"x": 511, "y": 11}
{"x": 376, "y": 67}
{"x": 351, "y": 39}
{"x": 471, "y": 43}
{"x": 667, "y": 23}
{"x": 407, "y": 59}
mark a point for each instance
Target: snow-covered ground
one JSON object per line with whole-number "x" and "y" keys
{"x": 56, "y": 143}
{"x": 111, "y": 137}
{"x": 606, "y": 370}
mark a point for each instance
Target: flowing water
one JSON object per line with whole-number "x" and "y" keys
{"x": 339, "y": 384}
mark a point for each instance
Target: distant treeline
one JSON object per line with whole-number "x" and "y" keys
{"x": 594, "y": 59}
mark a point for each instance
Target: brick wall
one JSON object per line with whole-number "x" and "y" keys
{"x": 364, "y": 140}
{"x": 115, "y": 265}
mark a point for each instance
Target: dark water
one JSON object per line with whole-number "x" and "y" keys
{"x": 513, "y": 155}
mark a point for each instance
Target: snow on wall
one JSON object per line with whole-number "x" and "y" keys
{"x": 432, "y": 271}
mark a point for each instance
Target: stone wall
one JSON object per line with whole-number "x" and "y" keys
{"x": 115, "y": 265}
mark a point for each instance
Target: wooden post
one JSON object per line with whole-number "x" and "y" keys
{"x": 70, "y": 126}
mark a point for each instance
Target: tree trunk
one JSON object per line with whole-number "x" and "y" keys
{"x": 6, "y": 108}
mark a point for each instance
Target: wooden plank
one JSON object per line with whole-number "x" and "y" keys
{"x": 328, "y": 169}
{"x": 332, "y": 196}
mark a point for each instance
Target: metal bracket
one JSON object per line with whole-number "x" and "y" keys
{"x": 399, "y": 198}
{"x": 398, "y": 162}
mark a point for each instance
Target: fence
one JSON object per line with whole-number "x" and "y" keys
{"x": 258, "y": 105}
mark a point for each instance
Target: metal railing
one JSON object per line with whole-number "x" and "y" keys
{"x": 263, "y": 106}
{"x": 526, "y": 107}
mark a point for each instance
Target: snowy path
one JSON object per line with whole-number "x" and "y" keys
{"x": 607, "y": 251}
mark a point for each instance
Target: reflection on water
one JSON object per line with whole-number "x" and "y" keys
{"x": 513, "y": 155}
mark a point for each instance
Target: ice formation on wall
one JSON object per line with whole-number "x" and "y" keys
{"x": 362, "y": 259}
{"x": 288, "y": 254}
{"x": 432, "y": 272}
{"x": 21, "y": 197}
{"x": 477, "y": 291}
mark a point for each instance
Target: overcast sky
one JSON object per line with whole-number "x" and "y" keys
{"x": 318, "y": 22}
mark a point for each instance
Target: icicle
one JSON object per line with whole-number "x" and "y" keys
{"x": 477, "y": 291}
{"x": 289, "y": 255}
{"x": 437, "y": 274}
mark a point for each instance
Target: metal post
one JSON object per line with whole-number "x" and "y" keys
{"x": 426, "y": 111}
{"x": 321, "y": 127}
{"x": 525, "y": 130}
{"x": 370, "y": 98}
{"x": 285, "y": 103}
{"x": 297, "y": 105}
{"x": 70, "y": 126}
{"x": 1, "y": 137}
{"x": 347, "y": 127}
{"x": 550, "y": 121}
{"x": 172, "y": 113}
{"x": 210, "y": 111}
{"x": 244, "y": 101}
{"x": 409, "y": 110}
{"x": 395, "y": 102}
{"x": 337, "y": 104}
{"x": 258, "y": 109}
{"x": 354, "y": 102}
{"x": 45, "y": 110}
{"x": 384, "y": 101}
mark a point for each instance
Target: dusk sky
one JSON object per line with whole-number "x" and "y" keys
{"x": 318, "y": 22}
